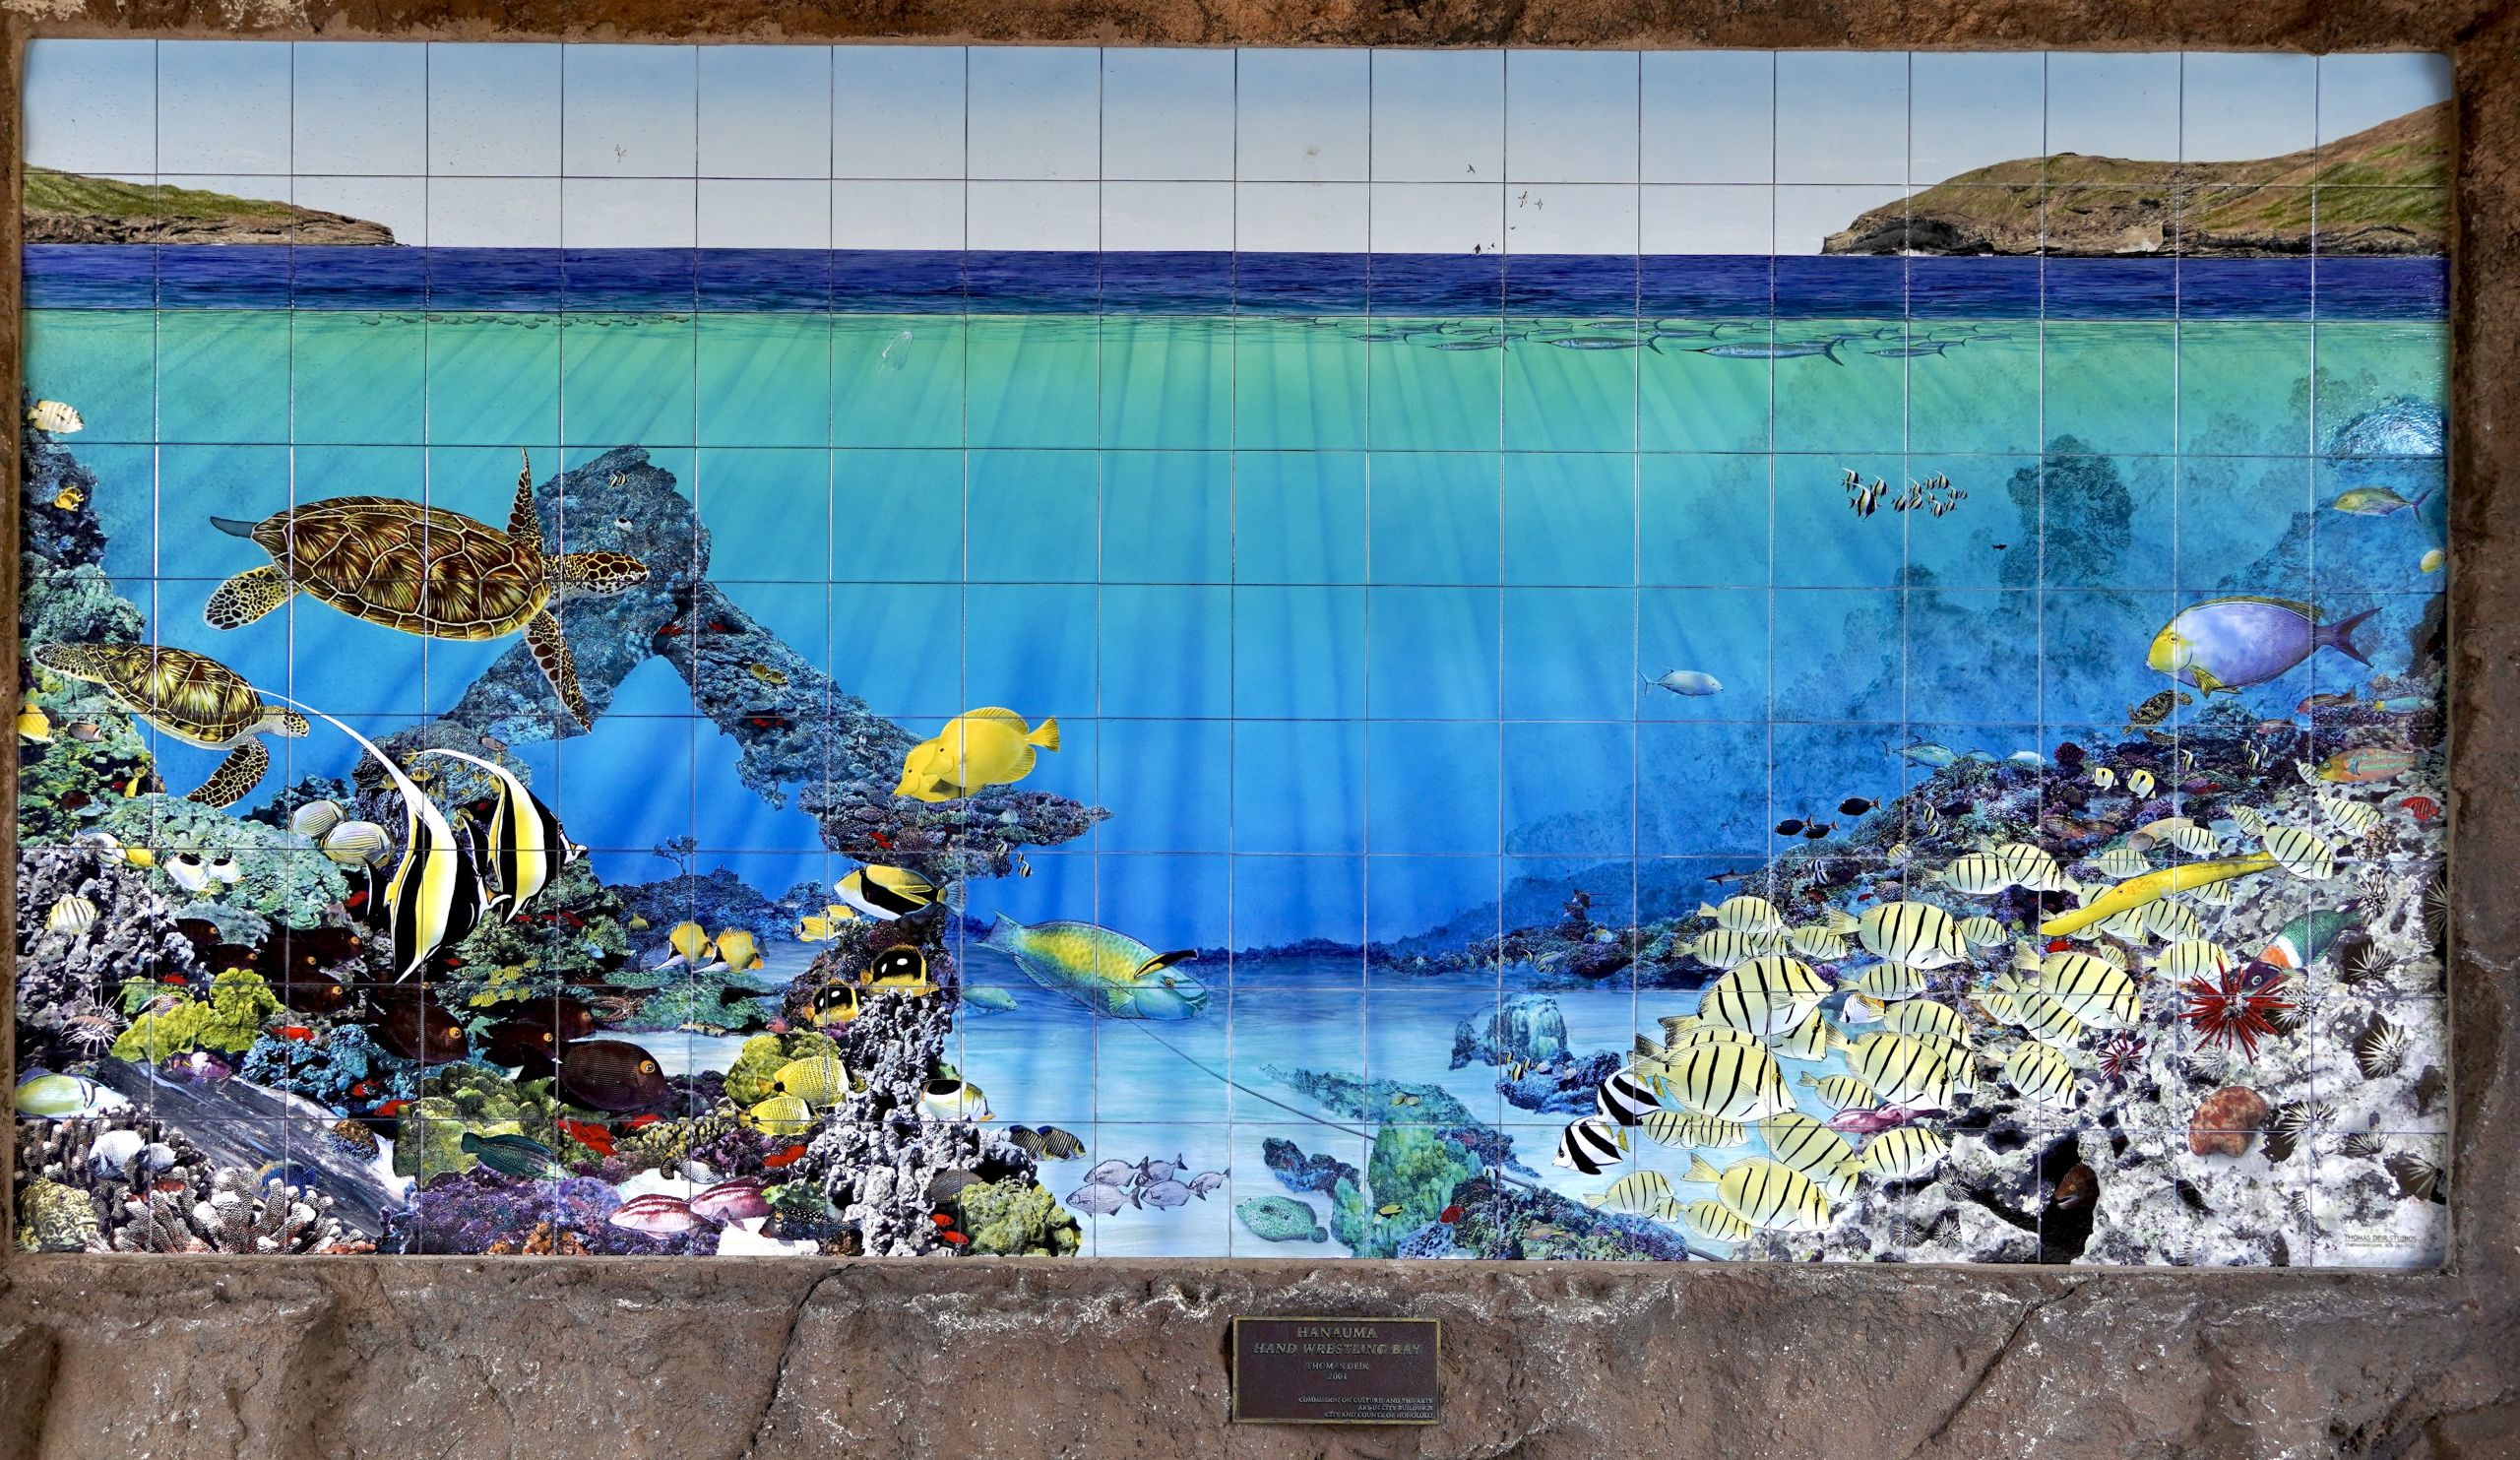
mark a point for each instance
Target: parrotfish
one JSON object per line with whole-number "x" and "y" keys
{"x": 1109, "y": 973}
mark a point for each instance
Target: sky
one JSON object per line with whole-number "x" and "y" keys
{"x": 1077, "y": 148}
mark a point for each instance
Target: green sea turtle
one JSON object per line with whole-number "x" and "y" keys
{"x": 426, "y": 570}
{"x": 190, "y": 696}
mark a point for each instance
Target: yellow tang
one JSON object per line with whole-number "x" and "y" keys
{"x": 1766, "y": 1194}
{"x": 981, "y": 747}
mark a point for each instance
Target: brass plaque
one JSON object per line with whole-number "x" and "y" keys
{"x": 1335, "y": 1370}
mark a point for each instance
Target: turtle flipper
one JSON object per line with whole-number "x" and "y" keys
{"x": 551, "y": 652}
{"x": 238, "y": 774}
{"x": 522, "y": 525}
{"x": 246, "y": 597}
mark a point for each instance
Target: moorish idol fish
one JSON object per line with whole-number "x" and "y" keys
{"x": 526, "y": 848}
{"x": 435, "y": 896}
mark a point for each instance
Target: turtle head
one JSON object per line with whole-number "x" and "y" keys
{"x": 602, "y": 572}
{"x": 282, "y": 721}
{"x": 77, "y": 660}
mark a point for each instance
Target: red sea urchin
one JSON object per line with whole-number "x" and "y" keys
{"x": 2236, "y": 1009}
{"x": 2120, "y": 1056}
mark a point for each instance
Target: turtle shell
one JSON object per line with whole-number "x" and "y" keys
{"x": 420, "y": 569}
{"x": 189, "y": 694}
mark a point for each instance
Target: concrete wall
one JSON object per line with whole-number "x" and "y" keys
{"x": 552, "y": 1358}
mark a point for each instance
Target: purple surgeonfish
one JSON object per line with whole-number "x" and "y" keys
{"x": 2224, "y": 644}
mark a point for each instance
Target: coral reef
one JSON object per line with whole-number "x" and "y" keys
{"x": 230, "y": 1020}
{"x": 1017, "y": 1219}
{"x": 1528, "y": 1029}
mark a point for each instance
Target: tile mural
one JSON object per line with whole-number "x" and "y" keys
{"x": 1287, "y": 653}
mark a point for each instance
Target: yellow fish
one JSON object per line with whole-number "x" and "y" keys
{"x": 2151, "y": 887}
{"x": 766, "y": 674}
{"x": 780, "y": 1114}
{"x": 35, "y": 725}
{"x": 981, "y": 747}
{"x": 690, "y": 943}
{"x": 69, "y": 498}
{"x": 2432, "y": 561}
{"x": 823, "y": 926}
{"x": 820, "y": 1080}
{"x": 738, "y": 948}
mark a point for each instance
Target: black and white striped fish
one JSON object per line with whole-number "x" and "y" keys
{"x": 1590, "y": 1145}
{"x": 435, "y": 895}
{"x": 524, "y": 846}
{"x": 1623, "y": 1099}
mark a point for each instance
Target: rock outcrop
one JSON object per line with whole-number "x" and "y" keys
{"x": 2379, "y": 191}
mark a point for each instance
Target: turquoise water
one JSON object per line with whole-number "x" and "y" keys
{"x": 1347, "y": 620}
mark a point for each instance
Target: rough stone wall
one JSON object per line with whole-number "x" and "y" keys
{"x": 617, "y": 1358}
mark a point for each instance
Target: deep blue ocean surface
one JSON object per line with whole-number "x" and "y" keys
{"x": 88, "y": 277}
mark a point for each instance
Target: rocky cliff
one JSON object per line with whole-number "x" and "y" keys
{"x": 2380, "y": 191}
{"x": 68, "y": 208}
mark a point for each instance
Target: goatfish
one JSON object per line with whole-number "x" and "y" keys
{"x": 1110, "y": 973}
{"x": 2135, "y": 892}
{"x": 524, "y": 846}
{"x": 981, "y": 747}
{"x": 436, "y": 894}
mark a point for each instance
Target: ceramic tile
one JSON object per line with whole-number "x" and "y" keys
{"x": 1344, "y": 571}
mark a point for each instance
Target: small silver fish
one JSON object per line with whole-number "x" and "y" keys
{"x": 1205, "y": 1183}
{"x": 1164, "y": 1195}
{"x": 1099, "y": 1199}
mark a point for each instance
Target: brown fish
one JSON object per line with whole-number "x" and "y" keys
{"x": 297, "y": 953}
{"x": 314, "y": 996}
{"x": 413, "y": 1025}
{"x": 611, "y": 1075}
{"x": 571, "y": 1018}
{"x": 521, "y": 1041}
